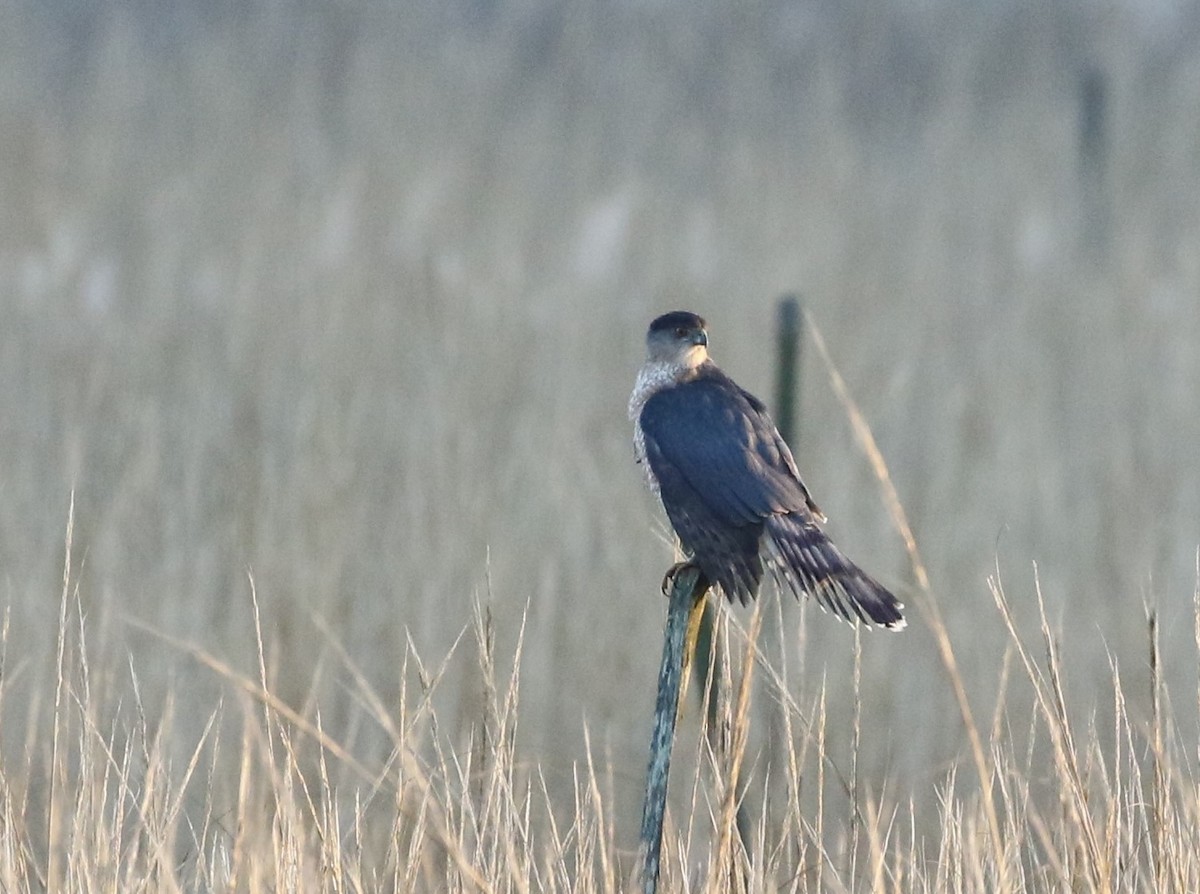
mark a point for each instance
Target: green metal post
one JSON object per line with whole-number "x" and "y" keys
{"x": 686, "y": 589}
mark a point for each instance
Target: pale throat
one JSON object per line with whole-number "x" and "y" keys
{"x": 658, "y": 374}
{"x": 654, "y": 376}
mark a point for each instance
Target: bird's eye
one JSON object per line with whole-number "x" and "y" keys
{"x": 681, "y": 332}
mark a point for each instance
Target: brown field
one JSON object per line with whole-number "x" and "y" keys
{"x": 317, "y": 323}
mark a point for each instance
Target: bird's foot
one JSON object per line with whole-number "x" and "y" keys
{"x": 673, "y": 572}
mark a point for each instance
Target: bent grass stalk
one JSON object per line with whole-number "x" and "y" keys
{"x": 926, "y": 603}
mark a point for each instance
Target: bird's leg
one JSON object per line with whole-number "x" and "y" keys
{"x": 668, "y": 580}
{"x": 674, "y": 571}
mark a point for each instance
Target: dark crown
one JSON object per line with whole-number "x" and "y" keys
{"x": 677, "y": 319}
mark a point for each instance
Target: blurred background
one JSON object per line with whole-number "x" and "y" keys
{"x": 350, "y": 296}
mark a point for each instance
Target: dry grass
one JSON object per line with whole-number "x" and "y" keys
{"x": 267, "y": 797}
{"x": 323, "y": 317}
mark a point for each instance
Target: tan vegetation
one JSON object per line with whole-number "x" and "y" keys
{"x": 316, "y": 328}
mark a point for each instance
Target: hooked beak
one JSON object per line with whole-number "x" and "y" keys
{"x": 700, "y": 338}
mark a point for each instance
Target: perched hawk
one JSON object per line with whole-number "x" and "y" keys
{"x": 729, "y": 484}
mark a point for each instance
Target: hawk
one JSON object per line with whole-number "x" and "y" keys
{"x": 729, "y": 484}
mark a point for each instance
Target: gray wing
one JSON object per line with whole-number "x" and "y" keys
{"x": 722, "y": 469}
{"x": 725, "y": 449}
{"x": 726, "y": 479}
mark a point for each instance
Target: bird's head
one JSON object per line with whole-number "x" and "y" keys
{"x": 678, "y": 338}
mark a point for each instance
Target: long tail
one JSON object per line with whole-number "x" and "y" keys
{"x": 808, "y": 562}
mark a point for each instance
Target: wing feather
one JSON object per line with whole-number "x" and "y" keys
{"x": 728, "y": 483}
{"x": 724, "y": 448}
{"x": 722, "y": 469}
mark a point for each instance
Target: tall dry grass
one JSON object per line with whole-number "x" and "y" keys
{"x": 269, "y": 797}
{"x": 346, "y": 301}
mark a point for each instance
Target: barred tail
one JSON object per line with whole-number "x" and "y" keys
{"x": 808, "y": 562}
